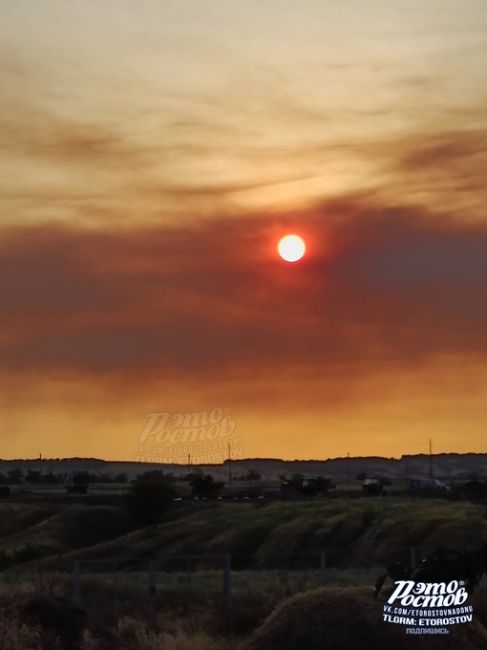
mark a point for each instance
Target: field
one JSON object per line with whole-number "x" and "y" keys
{"x": 218, "y": 569}
{"x": 356, "y": 532}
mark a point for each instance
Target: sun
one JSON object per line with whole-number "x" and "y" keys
{"x": 291, "y": 248}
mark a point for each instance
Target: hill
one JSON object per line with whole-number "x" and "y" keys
{"x": 349, "y": 619}
{"x": 447, "y": 466}
{"x": 357, "y": 532}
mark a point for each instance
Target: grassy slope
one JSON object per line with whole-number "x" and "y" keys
{"x": 362, "y": 531}
{"x": 42, "y": 529}
{"x": 349, "y": 619}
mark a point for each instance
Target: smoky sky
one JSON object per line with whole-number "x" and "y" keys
{"x": 151, "y": 158}
{"x": 380, "y": 285}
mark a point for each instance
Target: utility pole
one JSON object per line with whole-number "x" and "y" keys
{"x": 229, "y": 465}
{"x": 431, "y": 459}
{"x": 189, "y": 463}
{"x": 40, "y": 469}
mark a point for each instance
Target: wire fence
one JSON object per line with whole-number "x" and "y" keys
{"x": 223, "y": 582}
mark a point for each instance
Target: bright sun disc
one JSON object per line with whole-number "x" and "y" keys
{"x": 291, "y": 248}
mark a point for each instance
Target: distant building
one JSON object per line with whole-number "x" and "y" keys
{"x": 421, "y": 484}
{"x": 373, "y": 487}
{"x": 307, "y": 486}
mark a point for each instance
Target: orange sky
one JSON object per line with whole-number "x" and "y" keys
{"x": 151, "y": 156}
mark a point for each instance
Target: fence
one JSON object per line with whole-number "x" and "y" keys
{"x": 225, "y": 583}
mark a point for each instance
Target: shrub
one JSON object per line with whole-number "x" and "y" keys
{"x": 150, "y": 496}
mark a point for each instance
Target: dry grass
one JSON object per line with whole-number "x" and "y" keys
{"x": 349, "y": 619}
{"x": 128, "y": 634}
{"x": 15, "y": 635}
{"x": 333, "y": 618}
{"x": 135, "y": 634}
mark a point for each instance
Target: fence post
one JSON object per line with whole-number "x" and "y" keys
{"x": 412, "y": 557}
{"x": 76, "y": 575}
{"x": 188, "y": 584}
{"x": 322, "y": 567}
{"x": 152, "y": 594}
{"x": 227, "y": 590}
{"x": 152, "y": 579}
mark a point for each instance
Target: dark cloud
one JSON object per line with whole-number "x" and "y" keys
{"x": 442, "y": 150}
{"x": 379, "y": 286}
{"x": 196, "y": 154}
